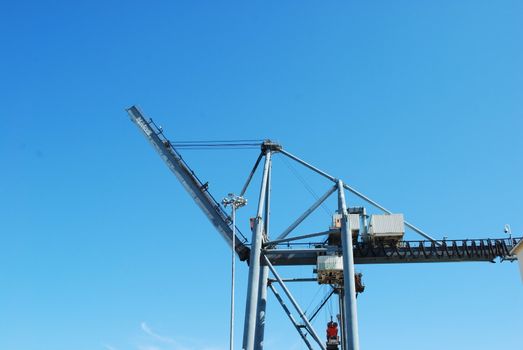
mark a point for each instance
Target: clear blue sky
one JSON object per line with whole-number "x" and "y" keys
{"x": 419, "y": 104}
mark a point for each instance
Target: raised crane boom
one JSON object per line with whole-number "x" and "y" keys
{"x": 196, "y": 189}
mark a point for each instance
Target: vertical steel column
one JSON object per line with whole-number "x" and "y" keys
{"x": 231, "y": 325}
{"x": 264, "y": 271}
{"x": 350, "y": 312}
{"x": 254, "y": 265}
{"x": 262, "y": 303}
{"x": 341, "y": 318}
{"x": 235, "y": 202}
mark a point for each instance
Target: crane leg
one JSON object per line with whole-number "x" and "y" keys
{"x": 262, "y": 303}
{"x": 350, "y": 312}
{"x": 251, "y": 307}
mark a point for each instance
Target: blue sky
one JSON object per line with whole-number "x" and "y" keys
{"x": 418, "y": 104}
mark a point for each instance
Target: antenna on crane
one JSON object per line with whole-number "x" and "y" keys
{"x": 508, "y": 231}
{"x": 235, "y": 202}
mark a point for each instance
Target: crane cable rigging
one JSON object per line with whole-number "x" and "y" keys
{"x": 205, "y": 144}
{"x": 218, "y": 144}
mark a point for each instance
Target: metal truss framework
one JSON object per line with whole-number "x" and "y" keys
{"x": 264, "y": 254}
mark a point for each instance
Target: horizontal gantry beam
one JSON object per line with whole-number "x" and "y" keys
{"x": 402, "y": 252}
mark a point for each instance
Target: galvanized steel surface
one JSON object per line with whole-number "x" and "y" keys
{"x": 387, "y": 225}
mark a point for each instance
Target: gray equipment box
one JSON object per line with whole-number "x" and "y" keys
{"x": 387, "y": 227}
{"x": 354, "y": 221}
{"x": 330, "y": 269}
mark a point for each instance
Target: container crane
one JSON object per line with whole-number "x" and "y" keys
{"x": 353, "y": 238}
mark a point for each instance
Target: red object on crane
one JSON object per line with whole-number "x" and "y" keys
{"x": 333, "y": 341}
{"x": 332, "y": 336}
{"x": 332, "y": 330}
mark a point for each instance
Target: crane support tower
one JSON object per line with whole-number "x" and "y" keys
{"x": 354, "y": 237}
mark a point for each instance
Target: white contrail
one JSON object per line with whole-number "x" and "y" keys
{"x": 148, "y": 347}
{"x": 156, "y": 336}
{"x": 170, "y": 343}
